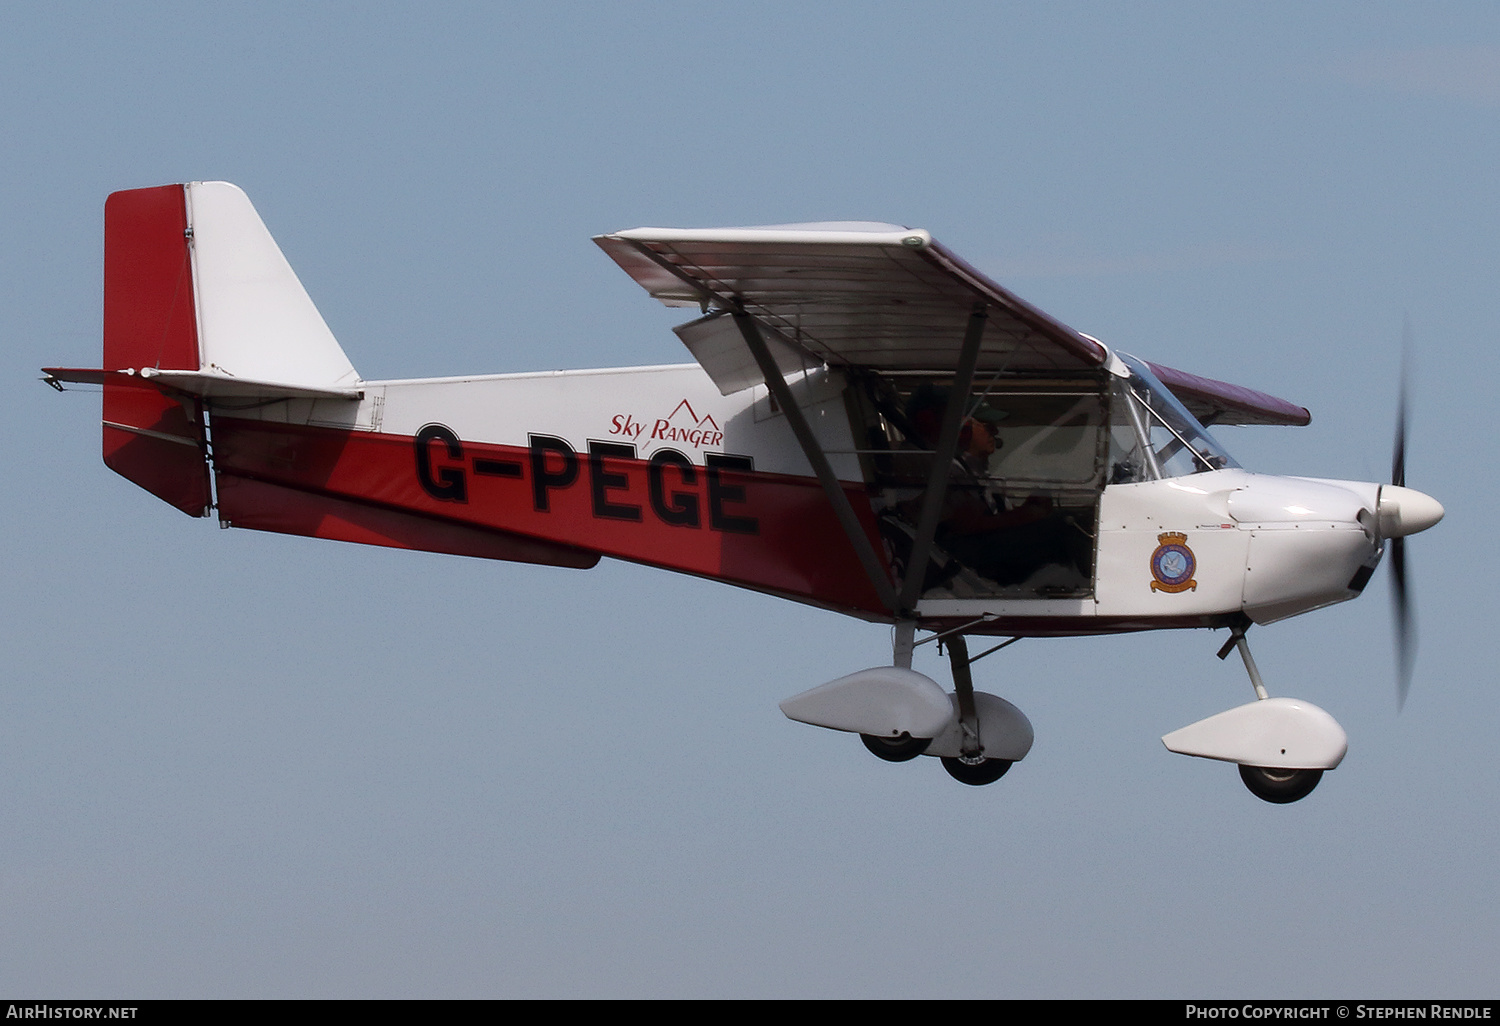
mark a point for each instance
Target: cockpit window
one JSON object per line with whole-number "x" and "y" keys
{"x": 1020, "y": 493}
{"x": 1152, "y": 434}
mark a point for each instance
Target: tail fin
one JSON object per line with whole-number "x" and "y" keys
{"x": 255, "y": 321}
{"x": 199, "y": 303}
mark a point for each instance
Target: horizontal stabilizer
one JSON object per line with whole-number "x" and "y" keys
{"x": 202, "y": 384}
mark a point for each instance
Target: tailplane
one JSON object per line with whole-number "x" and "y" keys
{"x": 199, "y": 304}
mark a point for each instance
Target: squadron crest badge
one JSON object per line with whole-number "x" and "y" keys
{"x": 1173, "y": 563}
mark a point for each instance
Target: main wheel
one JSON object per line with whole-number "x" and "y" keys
{"x": 896, "y": 749}
{"x": 986, "y": 772}
{"x": 1280, "y": 786}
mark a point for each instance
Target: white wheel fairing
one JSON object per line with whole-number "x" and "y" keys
{"x": 1276, "y": 733}
{"x": 883, "y": 701}
{"x": 1004, "y": 731}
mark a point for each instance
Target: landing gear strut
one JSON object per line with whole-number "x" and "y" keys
{"x": 970, "y": 766}
{"x": 1278, "y": 786}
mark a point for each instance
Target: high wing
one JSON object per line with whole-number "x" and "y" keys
{"x": 878, "y": 296}
{"x": 855, "y": 294}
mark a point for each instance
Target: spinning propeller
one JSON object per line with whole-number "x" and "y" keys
{"x": 1403, "y": 511}
{"x": 1406, "y": 630}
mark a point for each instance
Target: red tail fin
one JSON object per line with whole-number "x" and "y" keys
{"x": 151, "y": 438}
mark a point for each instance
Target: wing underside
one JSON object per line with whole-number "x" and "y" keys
{"x": 873, "y": 296}
{"x": 876, "y": 296}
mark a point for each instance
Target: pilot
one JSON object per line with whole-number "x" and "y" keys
{"x": 1003, "y": 545}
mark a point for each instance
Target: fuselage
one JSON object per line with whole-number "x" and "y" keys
{"x": 655, "y": 466}
{"x": 1027, "y": 479}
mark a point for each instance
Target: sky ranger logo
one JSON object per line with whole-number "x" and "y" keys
{"x": 682, "y": 425}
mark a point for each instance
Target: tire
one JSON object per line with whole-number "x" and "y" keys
{"x": 986, "y": 772}
{"x": 1280, "y": 786}
{"x": 896, "y": 749}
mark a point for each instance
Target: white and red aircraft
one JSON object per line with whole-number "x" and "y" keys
{"x": 871, "y": 426}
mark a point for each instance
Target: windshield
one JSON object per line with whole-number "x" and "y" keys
{"x": 1152, "y": 435}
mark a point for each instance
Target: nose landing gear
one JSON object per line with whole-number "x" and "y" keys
{"x": 1282, "y": 745}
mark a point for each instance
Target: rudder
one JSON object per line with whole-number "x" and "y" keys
{"x": 151, "y": 438}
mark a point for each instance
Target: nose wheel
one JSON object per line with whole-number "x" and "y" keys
{"x": 1280, "y": 786}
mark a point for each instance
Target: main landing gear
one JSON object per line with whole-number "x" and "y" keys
{"x": 977, "y": 763}
{"x": 1282, "y": 745}
{"x": 900, "y": 714}
{"x": 985, "y": 771}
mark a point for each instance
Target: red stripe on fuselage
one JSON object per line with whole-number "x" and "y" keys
{"x": 261, "y": 506}
{"x": 715, "y": 518}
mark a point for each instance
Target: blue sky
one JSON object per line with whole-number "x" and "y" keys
{"x": 249, "y": 765}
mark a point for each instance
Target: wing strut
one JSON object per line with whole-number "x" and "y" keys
{"x": 942, "y": 459}
{"x": 937, "y": 478}
{"x": 815, "y": 455}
